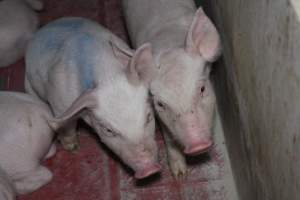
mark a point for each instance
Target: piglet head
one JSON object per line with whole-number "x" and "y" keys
{"x": 182, "y": 92}
{"x": 121, "y": 114}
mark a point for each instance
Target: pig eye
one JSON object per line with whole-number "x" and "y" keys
{"x": 160, "y": 104}
{"x": 149, "y": 118}
{"x": 108, "y": 130}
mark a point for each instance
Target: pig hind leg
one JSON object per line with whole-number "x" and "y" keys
{"x": 33, "y": 180}
{"x": 176, "y": 158}
{"x": 68, "y": 137}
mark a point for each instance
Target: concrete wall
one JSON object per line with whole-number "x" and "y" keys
{"x": 258, "y": 89}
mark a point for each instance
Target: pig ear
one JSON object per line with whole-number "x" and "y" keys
{"x": 124, "y": 55}
{"x": 203, "y": 37}
{"x": 85, "y": 101}
{"x": 142, "y": 65}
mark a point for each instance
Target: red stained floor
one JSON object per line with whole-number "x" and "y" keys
{"x": 94, "y": 173}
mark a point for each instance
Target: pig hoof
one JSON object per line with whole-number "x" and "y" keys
{"x": 178, "y": 169}
{"x": 70, "y": 143}
{"x": 176, "y": 162}
{"x": 73, "y": 147}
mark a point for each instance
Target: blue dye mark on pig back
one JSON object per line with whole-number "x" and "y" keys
{"x": 67, "y": 37}
{"x": 54, "y": 34}
{"x": 84, "y": 53}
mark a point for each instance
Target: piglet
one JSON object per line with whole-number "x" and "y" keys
{"x": 25, "y": 140}
{"x": 84, "y": 71}
{"x": 185, "y": 43}
{"x": 18, "y": 22}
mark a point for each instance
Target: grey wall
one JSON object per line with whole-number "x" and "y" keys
{"x": 258, "y": 89}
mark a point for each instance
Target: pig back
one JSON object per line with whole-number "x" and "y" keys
{"x": 24, "y": 131}
{"x": 17, "y": 14}
{"x": 69, "y": 56}
{"x": 147, "y": 19}
{"x": 18, "y": 22}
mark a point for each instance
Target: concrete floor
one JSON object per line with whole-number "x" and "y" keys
{"x": 94, "y": 172}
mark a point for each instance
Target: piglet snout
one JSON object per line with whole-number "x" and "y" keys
{"x": 196, "y": 134}
{"x": 148, "y": 170}
{"x": 201, "y": 146}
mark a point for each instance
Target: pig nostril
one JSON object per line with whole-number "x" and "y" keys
{"x": 202, "y": 89}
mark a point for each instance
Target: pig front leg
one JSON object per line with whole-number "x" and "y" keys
{"x": 176, "y": 158}
{"x": 69, "y": 138}
{"x": 32, "y": 180}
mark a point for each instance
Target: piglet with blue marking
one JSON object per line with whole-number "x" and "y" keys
{"x": 18, "y": 23}
{"x": 25, "y": 140}
{"x": 84, "y": 71}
